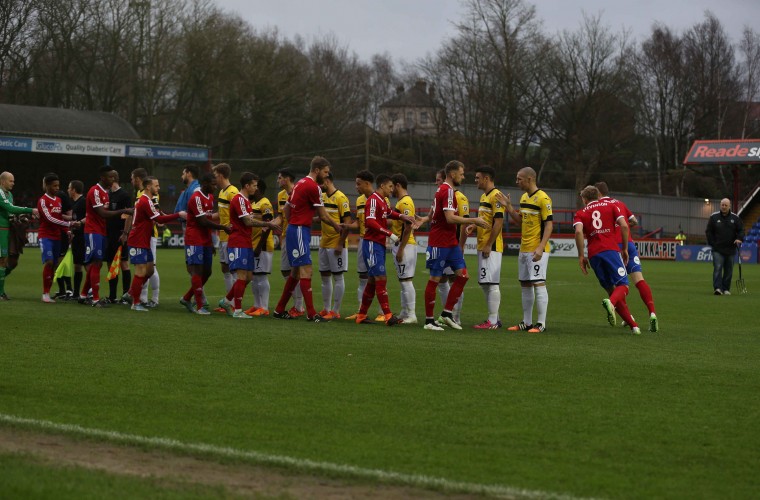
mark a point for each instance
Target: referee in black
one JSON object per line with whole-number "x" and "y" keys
{"x": 119, "y": 199}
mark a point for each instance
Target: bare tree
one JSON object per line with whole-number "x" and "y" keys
{"x": 749, "y": 47}
{"x": 665, "y": 100}
{"x": 588, "y": 90}
{"x": 16, "y": 20}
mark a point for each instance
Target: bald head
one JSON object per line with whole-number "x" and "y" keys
{"x": 527, "y": 172}
{"x": 6, "y": 180}
{"x": 526, "y": 179}
{"x": 725, "y": 206}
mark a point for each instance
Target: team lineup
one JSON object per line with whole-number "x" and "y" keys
{"x": 246, "y": 222}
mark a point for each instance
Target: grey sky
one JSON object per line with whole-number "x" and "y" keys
{"x": 410, "y": 29}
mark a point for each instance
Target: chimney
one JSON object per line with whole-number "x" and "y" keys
{"x": 421, "y": 85}
{"x": 431, "y": 91}
{"x": 399, "y": 90}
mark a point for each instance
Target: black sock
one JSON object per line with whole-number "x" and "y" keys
{"x": 112, "y": 284}
{"x": 126, "y": 280}
{"x": 77, "y": 282}
{"x": 67, "y": 283}
{"x": 61, "y": 286}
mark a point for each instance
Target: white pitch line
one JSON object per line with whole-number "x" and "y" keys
{"x": 417, "y": 480}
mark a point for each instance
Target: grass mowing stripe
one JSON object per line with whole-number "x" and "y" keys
{"x": 419, "y": 481}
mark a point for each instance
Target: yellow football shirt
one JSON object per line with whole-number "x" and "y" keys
{"x": 489, "y": 210}
{"x": 463, "y": 210}
{"x": 282, "y": 199}
{"x": 337, "y": 207}
{"x": 536, "y": 211}
{"x": 223, "y": 200}
{"x": 262, "y": 210}
{"x": 361, "y": 201}
{"x": 405, "y": 206}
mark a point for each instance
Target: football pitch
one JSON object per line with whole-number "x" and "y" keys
{"x": 582, "y": 410}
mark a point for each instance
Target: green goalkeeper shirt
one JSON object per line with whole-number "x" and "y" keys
{"x": 7, "y": 208}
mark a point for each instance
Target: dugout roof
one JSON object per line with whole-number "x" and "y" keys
{"x": 37, "y": 129}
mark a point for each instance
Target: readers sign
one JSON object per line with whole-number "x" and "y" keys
{"x": 724, "y": 152}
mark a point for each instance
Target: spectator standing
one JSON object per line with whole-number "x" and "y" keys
{"x": 725, "y": 232}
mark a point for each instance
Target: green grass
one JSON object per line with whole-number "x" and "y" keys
{"x": 76, "y": 483}
{"x": 583, "y": 409}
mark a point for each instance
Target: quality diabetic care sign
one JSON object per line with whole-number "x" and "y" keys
{"x": 740, "y": 152}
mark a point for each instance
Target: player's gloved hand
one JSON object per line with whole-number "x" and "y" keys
{"x": 394, "y": 239}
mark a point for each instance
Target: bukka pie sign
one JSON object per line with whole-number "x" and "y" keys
{"x": 724, "y": 152}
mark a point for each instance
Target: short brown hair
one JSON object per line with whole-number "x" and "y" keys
{"x": 590, "y": 193}
{"x": 453, "y": 165}
{"x": 319, "y": 162}
{"x": 223, "y": 169}
{"x": 603, "y": 188}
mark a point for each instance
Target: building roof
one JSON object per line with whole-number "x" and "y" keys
{"x": 415, "y": 97}
{"x": 35, "y": 120}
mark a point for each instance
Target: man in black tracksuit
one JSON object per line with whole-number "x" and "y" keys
{"x": 724, "y": 232}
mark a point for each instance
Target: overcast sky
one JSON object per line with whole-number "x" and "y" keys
{"x": 410, "y": 29}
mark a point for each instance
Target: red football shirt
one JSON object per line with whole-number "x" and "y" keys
{"x": 96, "y": 197}
{"x": 240, "y": 237}
{"x": 199, "y": 204}
{"x": 598, "y": 219}
{"x": 144, "y": 217}
{"x": 626, "y": 213}
{"x": 303, "y": 200}
{"x": 376, "y": 211}
{"x": 50, "y": 217}
{"x": 443, "y": 234}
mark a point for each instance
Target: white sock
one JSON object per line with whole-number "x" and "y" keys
{"x": 338, "y": 292}
{"x": 360, "y": 289}
{"x": 144, "y": 292}
{"x": 255, "y": 290}
{"x": 327, "y": 290}
{"x": 542, "y": 303}
{"x": 493, "y": 299}
{"x": 155, "y": 285}
{"x": 298, "y": 298}
{"x": 408, "y": 299}
{"x": 527, "y": 304}
{"x": 229, "y": 280}
{"x": 456, "y": 313}
{"x": 263, "y": 288}
{"x": 443, "y": 290}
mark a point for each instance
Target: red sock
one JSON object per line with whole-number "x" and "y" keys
{"x": 456, "y": 291}
{"x": 290, "y": 285}
{"x": 239, "y": 290}
{"x": 617, "y": 297}
{"x": 231, "y": 293}
{"x": 646, "y": 295}
{"x": 95, "y": 282}
{"x": 197, "y": 285}
{"x": 307, "y": 298}
{"x": 367, "y": 296}
{"x": 86, "y": 285}
{"x": 430, "y": 298}
{"x": 622, "y": 310}
{"x": 136, "y": 288}
{"x": 382, "y": 296}
{"x": 47, "y": 278}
